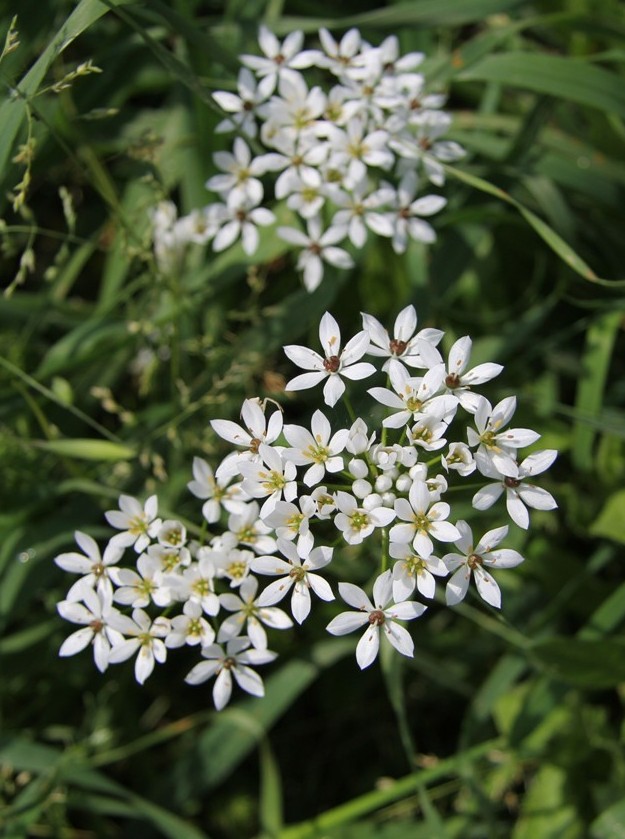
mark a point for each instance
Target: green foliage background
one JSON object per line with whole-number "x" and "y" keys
{"x": 503, "y": 725}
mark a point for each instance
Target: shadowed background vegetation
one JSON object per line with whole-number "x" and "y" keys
{"x": 503, "y": 725}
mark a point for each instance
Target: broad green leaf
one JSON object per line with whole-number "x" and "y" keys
{"x": 270, "y": 799}
{"x": 92, "y": 339}
{"x": 608, "y": 616}
{"x": 610, "y": 523}
{"x": 426, "y": 12}
{"x": 87, "y": 449}
{"x": 26, "y": 637}
{"x": 565, "y": 78}
{"x": 547, "y": 809}
{"x": 611, "y": 823}
{"x": 585, "y": 663}
{"x": 236, "y": 731}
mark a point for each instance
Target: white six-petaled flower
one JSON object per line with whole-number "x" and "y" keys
{"x": 235, "y": 661}
{"x": 471, "y": 562}
{"x": 334, "y": 366}
{"x": 298, "y": 571}
{"x": 383, "y": 614}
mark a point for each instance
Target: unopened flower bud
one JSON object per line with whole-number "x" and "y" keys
{"x": 358, "y": 440}
{"x": 383, "y": 483}
{"x": 418, "y": 472}
{"x": 358, "y": 468}
{"x": 403, "y": 483}
{"x": 361, "y": 488}
{"x": 372, "y": 501}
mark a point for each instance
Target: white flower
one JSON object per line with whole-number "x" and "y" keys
{"x": 146, "y": 641}
{"x": 459, "y": 380}
{"x": 407, "y": 219}
{"x": 239, "y": 183}
{"x": 422, "y": 520}
{"x": 294, "y": 113}
{"x": 389, "y": 458}
{"x": 459, "y": 458}
{"x": 169, "y": 236}
{"x": 144, "y": 586}
{"x": 307, "y": 193}
{"x": 427, "y": 433}
{"x": 290, "y": 522}
{"x": 172, "y": 534}
{"x": 233, "y": 564}
{"x": 519, "y": 493}
{"x": 412, "y": 570}
{"x": 385, "y": 613}
{"x": 318, "y": 248}
{"x": 422, "y": 147}
{"x": 413, "y": 396}
{"x": 281, "y": 59}
{"x": 338, "y": 57}
{"x": 246, "y": 528}
{"x": 358, "y": 440}
{"x": 334, "y": 365}
{"x": 358, "y": 205}
{"x": 270, "y": 479}
{"x": 320, "y": 450}
{"x": 416, "y": 349}
{"x": 293, "y": 157}
{"x": 243, "y": 107}
{"x": 248, "y": 608}
{"x": 190, "y": 628}
{"x": 216, "y": 490}
{"x": 472, "y": 562}
{"x": 98, "y": 570}
{"x": 93, "y": 614}
{"x": 240, "y": 219}
{"x": 258, "y": 429}
{"x": 356, "y": 523}
{"x": 198, "y": 583}
{"x": 138, "y": 522}
{"x": 298, "y": 573}
{"x": 233, "y": 662}
{"x": 199, "y": 226}
{"x": 355, "y": 148}
{"x": 494, "y": 445}
{"x": 325, "y": 501}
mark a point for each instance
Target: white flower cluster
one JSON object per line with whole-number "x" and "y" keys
{"x": 347, "y": 159}
{"x": 270, "y": 511}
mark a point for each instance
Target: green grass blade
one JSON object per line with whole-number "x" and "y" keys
{"x": 565, "y": 78}
{"x": 369, "y": 802}
{"x": 270, "y": 800}
{"x": 546, "y": 233}
{"x": 600, "y": 339}
{"x": 87, "y": 449}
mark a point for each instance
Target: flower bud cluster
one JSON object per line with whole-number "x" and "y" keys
{"x": 286, "y": 497}
{"x": 348, "y": 158}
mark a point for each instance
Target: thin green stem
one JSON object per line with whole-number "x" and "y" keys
{"x": 35, "y": 385}
{"x": 371, "y": 801}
